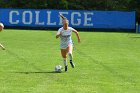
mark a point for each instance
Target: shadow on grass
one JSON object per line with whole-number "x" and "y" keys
{"x": 135, "y": 37}
{"x": 40, "y": 71}
{"x": 37, "y": 72}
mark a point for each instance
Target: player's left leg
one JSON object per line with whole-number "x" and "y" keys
{"x": 69, "y": 50}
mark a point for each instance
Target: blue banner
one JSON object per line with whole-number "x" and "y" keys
{"x": 77, "y": 18}
{"x": 139, "y": 28}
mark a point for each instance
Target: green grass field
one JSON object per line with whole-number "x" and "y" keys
{"x": 105, "y": 63}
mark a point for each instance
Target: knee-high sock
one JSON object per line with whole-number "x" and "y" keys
{"x": 65, "y": 62}
{"x": 70, "y": 56}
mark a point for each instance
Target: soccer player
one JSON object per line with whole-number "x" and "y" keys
{"x": 1, "y": 28}
{"x": 66, "y": 44}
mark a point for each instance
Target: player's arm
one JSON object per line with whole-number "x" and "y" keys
{"x": 58, "y": 34}
{"x": 77, "y": 34}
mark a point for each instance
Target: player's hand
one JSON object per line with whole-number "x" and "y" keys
{"x": 58, "y": 35}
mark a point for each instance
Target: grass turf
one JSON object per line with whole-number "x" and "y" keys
{"x": 105, "y": 63}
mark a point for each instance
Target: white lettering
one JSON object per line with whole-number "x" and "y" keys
{"x": 78, "y": 20}
{"x": 11, "y": 17}
{"x": 88, "y": 20}
{"x": 37, "y": 22}
{"x": 24, "y": 17}
{"x": 49, "y": 19}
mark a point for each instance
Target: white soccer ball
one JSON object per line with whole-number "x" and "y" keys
{"x": 58, "y": 68}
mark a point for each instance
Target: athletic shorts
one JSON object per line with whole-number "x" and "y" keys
{"x": 64, "y": 46}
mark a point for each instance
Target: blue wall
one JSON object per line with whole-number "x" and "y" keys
{"x": 77, "y": 18}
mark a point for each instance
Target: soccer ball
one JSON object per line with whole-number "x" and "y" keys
{"x": 58, "y": 68}
{"x": 1, "y": 26}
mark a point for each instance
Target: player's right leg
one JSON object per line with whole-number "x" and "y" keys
{"x": 64, "y": 55}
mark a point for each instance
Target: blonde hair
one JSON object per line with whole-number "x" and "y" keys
{"x": 65, "y": 21}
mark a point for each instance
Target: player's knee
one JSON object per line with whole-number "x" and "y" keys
{"x": 64, "y": 56}
{"x": 69, "y": 53}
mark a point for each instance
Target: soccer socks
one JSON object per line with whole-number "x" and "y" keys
{"x": 70, "y": 57}
{"x": 65, "y": 64}
{"x": 72, "y": 64}
{"x": 66, "y": 68}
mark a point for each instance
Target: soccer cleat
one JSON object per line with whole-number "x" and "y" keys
{"x": 72, "y": 64}
{"x": 66, "y": 68}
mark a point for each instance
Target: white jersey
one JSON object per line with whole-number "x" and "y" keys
{"x": 65, "y": 37}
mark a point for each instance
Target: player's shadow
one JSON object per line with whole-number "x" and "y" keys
{"x": 37, "y": 72}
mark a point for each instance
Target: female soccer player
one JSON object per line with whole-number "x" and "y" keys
{"x": 66, "y": 44}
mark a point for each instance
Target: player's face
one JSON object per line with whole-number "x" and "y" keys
{"x": 65, "y": 24}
